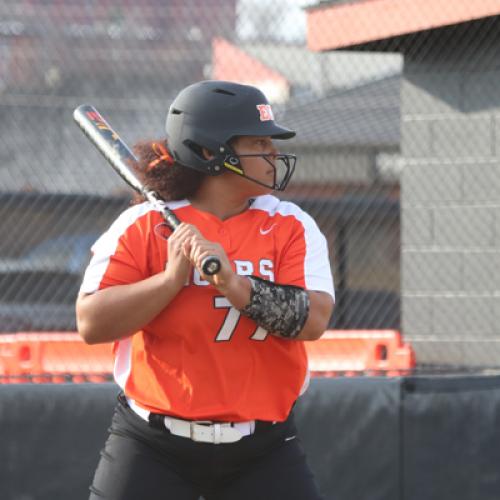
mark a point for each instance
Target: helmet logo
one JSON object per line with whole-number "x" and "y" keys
{"x": 265, "y": 112}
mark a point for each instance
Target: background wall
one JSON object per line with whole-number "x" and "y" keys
{"x": 450, "y": 187}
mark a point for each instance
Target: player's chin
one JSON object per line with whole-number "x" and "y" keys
{"x": 258, "y": 186}
{"x": 260, "y": 190}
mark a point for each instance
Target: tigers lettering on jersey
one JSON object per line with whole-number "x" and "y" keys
{"x": 264, "y": 269}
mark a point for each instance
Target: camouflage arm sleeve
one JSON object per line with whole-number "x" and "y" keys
{"x": 281, "y": 309}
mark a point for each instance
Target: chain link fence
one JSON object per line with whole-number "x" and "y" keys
{"x": 397, "y": 144}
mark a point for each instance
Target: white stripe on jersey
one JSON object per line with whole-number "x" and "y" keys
{"x": 174, "y": 205}
{"x": 317, "y": 269}
{"x": 105, "y": 246}
{"x": 123, "y": 361}
{"x": 305, "y": 384}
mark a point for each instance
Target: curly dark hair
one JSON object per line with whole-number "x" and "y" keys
{"x": 170, "y": 180}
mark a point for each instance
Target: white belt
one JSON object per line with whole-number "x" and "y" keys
{"x": 201, "y": 431}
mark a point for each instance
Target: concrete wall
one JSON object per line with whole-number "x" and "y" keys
{"x": 451, "y": 200}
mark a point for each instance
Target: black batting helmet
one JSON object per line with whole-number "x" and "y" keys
{"x": 209, "y": 114}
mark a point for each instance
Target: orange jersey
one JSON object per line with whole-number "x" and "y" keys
{"x": 200, "y": 359}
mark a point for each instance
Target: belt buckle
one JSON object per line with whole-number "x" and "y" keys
{"x": 204, "y": 423}
{"x": 214, "y": 432}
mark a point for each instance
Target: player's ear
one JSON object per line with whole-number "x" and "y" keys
{"x": 207, "y": 154}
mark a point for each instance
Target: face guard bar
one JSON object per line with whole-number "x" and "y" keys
{"x": 283, "y": 168}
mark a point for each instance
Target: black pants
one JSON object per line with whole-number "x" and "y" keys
{"x": 140, "y": 461}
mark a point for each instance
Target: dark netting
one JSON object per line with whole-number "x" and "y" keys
{"x": 397, "y": 144}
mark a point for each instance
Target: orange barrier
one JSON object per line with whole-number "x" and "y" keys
{"x": 63, "y": 356}
{"x": 351, "y": 352}
{"x": 52, "y": 357}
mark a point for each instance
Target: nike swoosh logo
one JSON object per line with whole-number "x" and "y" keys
{"x": 290, "y": 438}
{"x": 266, "y": 231}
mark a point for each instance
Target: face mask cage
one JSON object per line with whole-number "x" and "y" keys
{"x": 283, "y": 167}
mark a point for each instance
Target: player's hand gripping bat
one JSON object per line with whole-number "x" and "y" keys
{"x": 119, "y": 156}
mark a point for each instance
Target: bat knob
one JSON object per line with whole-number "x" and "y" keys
{"x": 211, "y": 265}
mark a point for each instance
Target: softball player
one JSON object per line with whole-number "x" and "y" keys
{"x": 210, "y": 366}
